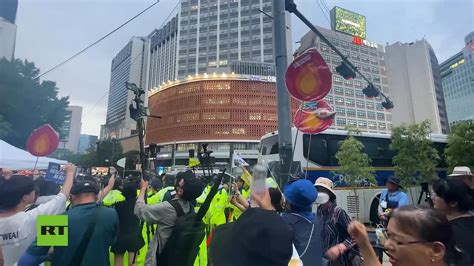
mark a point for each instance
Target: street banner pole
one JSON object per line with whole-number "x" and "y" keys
{"x": 283, "y": 101}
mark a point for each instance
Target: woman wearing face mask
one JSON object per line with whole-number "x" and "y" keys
{"x": 337, "y": 243}
{"x": 415, "y": 236}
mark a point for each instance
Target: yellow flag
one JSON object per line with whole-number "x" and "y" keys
{"x": 246, "y": 176}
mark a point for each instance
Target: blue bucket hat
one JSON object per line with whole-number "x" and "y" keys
{"x": 300, "y": 193}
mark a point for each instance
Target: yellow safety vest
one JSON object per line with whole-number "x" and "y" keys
{"x": 113, "y": 197}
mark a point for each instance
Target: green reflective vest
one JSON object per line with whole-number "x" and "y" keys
{"x": 113, "y": 197}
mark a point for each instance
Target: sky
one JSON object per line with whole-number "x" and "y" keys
{"x": 50, "y": 31}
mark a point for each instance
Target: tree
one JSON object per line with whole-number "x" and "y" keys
{"x": 460, "y": 150}
{"x": 354, "y": 163}
{"x": 416, "y": 158}
{"x": 108, "y": 152}
{"x": 27, "y": 103}
{"x": 5, "y": 127}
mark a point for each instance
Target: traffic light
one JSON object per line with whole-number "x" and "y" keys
{"x": 370, "y": 91}
{"x": 388, "y": 104}
{"x": 345, "y": 71}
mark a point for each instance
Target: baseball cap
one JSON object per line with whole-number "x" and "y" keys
{"x": 84, "y": 186}
{"x": 300, "y": 193}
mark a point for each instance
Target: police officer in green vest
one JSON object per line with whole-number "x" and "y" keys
{"x": 115, "y": 195}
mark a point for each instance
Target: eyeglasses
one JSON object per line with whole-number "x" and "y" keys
{"x": 400, "y": 243}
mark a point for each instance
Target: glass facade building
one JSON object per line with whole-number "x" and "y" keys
{"x": 457, "y": 75}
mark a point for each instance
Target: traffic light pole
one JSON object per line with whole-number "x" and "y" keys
{"x": 291, "y": 7}
{"x": 283, "y": 100}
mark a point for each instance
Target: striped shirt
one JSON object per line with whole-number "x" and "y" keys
{"x": 334, "y": 222}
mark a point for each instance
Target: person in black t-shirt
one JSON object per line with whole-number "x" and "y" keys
{"x": 130, "y": 238}
{"x": 453, "y": 197}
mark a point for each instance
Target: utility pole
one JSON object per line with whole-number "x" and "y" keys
{"x": 138, "y": 113}
{"x": 283, "y": 100}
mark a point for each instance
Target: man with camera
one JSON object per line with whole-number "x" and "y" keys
{"x": 164, "y": 214}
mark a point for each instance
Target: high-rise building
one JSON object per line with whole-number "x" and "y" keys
{"x": 211, "y": 76}
{"x": 7, "y": 39}
{"x": 457, "y": 74}
{"x": 86, "y": 142}
{"x": 8, "y": 10}
{"x": 353, "y": 108}
{"x": 8, "y": 28}
{"x": 415, "y": 85}
{"x": 71, "y": 130}
{"x": 127, "y": 66}
{"x": 209, "y": 36}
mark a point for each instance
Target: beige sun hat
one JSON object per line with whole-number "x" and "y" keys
{"x": 325, "y": 183}
{"x": 461, "y": 171}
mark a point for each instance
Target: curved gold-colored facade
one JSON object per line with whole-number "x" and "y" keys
{"x": 213, "y": 108}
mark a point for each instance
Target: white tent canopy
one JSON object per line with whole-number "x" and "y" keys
{"x": 14, "y": 158}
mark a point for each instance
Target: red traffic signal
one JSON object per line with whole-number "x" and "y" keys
{"x": 345, "y": 71}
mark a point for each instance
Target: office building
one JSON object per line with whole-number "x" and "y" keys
{"x": 353, "y": 108}
{"x": 211, "y": 76}
{"x": 86, "y": 142}
{"x": 7, "y": 39}
{"x": 8, "y": 28}
{"x": 127, "y": 66}
{"x": 457, "y": 74}
{"x": 8, "y": 10}
{"x": 71, "y": 129}
{"x": 209, "y": 36}
{"x": 415, "y": 85}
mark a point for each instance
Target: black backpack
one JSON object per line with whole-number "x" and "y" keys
{"x": 188, "y": 233}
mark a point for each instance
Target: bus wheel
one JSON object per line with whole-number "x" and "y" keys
{"x": 374, "y": 214}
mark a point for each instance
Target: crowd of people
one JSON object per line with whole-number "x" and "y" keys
{"x": 132, "y": 221}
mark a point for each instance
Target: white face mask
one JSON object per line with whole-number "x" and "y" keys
{"x": 322, "y": 198}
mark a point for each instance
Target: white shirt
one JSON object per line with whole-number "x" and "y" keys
{"x": 18, "y": 231}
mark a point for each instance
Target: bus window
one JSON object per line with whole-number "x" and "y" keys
{"x": 269, "y": 145}
{"x": 378, "y": 150}
{"x": 319, "y": 152}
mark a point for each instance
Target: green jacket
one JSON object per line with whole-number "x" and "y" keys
{"x": 113, "y": 197}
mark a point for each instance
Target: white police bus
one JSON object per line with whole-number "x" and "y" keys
{"x": 319, "y": 159}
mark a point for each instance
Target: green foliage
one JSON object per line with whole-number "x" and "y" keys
{"x": 416, "y": 158}
{"x": 5, "y": 127}
{"x": 354, "y": 163}
{"x": 27, "y": 103}
{"x": 460, "y": 150}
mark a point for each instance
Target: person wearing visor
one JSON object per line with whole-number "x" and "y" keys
{"x": 391, "y": 198}
{"x": 337, "y": 244}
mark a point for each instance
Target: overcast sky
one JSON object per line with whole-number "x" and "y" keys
{"x": 51, "y": 30}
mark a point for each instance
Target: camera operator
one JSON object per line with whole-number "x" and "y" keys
{"x": 187, "y": 188}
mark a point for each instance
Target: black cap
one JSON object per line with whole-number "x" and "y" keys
{"x": 84, "y": 186}
{"x": 258, "y": 237}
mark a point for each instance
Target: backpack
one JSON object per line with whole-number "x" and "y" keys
{"x": 188, "y": 233}
{"x": 183, "y": 245}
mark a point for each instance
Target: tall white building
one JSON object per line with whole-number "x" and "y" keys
{"x": 415, "y": 85}
{"x": 7, "y": 39}
{"x": 209, "y": 36}
{"x": 71, "y": 130}
{"x": 127, "y": 66}
{"x": 353, "y": 108}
